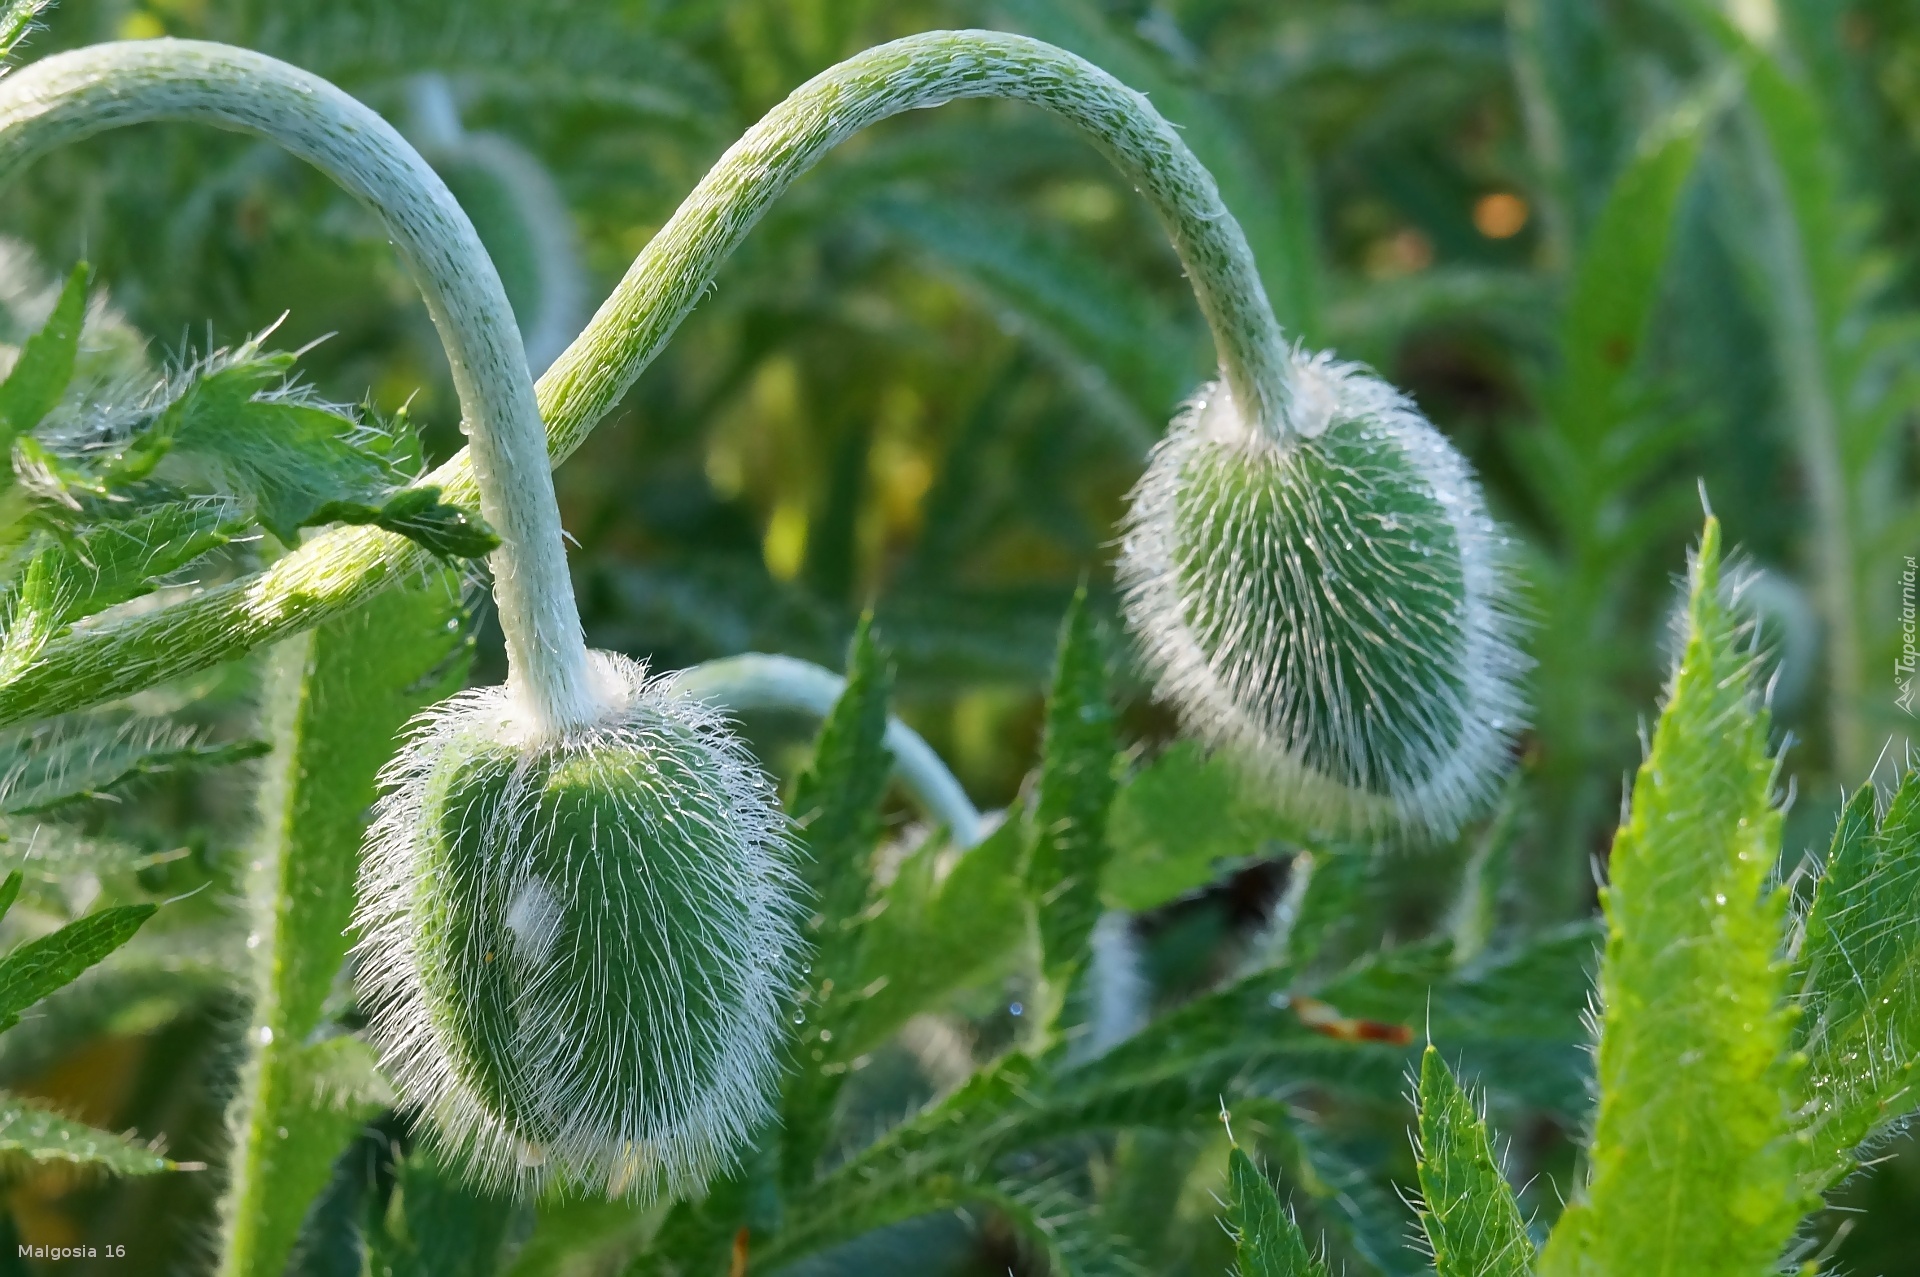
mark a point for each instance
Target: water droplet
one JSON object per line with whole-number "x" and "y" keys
{"x": 265, "y": 1035}
{"x": 1015, "y": 1009}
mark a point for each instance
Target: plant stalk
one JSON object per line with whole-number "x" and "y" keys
{"x": 76, "y": 95}
{"x": 335, "y": 570}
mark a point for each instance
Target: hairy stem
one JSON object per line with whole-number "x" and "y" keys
{"x": 75, "y": 95}
{"x": 336, "y": 570}
{"x": 759, "y": 681}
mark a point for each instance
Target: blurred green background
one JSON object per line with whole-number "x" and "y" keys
{"x": 928, "y": 379}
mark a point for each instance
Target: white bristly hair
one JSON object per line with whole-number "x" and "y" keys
{"x": 1251, "y": 683}
{"x": 672, "y": 1133}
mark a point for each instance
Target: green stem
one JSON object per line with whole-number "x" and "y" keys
{"x": 76, "y": 95}
{"x": 759, "y": 681}
{"x": 340, "y": 568}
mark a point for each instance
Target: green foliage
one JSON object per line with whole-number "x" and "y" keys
{"x": 1266, "y": 1242}
{"x": 1855, "y": 982}
{"x": 45, "y": 364}
{"x": 1691, "y": 1162}
{"x": 1467, "y": 1209}
{"x": 919, "y": 390}
{"x": 31, "y": 1133}
{"x": 38, "y": 967}
{"x": 1069, "y": 819}
{"x": 1177, "y": 822}
{"x": 58, "y": 762}
{"x": 339, "y": 699}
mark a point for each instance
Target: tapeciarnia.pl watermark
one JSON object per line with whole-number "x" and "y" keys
{"x": 1903, "y": 665}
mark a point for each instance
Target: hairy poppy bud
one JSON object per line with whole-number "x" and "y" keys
{"x": 577, "y": 945}
{"x": 1328, "y": 603}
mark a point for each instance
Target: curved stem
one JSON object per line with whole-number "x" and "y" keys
{"x": 760, "y": 681}
{"x": 923, "y": 71}
{"x": 338, "y": 569}
{"x": 75, "y": 95}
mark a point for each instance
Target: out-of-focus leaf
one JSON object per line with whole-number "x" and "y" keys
{"x": 1177, "y": 822}
{"x": 1115, "y": 339}
{"x": 1265, "y": 1240}
{"x": 79, "y": 756}
{"x": 38, "y": 967}
{"x": 934, "y": 933}
{"x": 1467, "y": 1207}
{"x": 1692, "y": 1168}
{"x": 37, "y": 1135}
{"x": 436, "y": 1226}
{"x": 1858, "y": 981}
{"x": 45, "y": 364}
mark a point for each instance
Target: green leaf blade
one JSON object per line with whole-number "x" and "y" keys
{"x": 1076, "y": 791}
{"x": 1471, "y": 1220}
{"x": 1858, "y": 984}
{"x": 1691, "y": 1165}
{"x": 45, "y": 365}
{"x": 1266, "y": 1243}
{"x": 38, "y": 967}
{"x": 41, "y": 1137}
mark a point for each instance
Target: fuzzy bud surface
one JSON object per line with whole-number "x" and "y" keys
{"x": 1330, "y": 605}
{"x": 575, "y": 948}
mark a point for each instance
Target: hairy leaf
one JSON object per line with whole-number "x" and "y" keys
{"x": 1070, "y": 810}
{"x": 1858, "y": 982}
{"x": 1468, "y": 1211}
{"x": 34, "y": 1134}
{"x": 1691, "y": 1169}
{"x": 937, "y": 932}
{"x": 837, "y": 803}
{"x": 49, "y": 764}
{"x": 1265, "y": 1240}
{"x": 337, "y": 703}
{"x": 38, "y": 967}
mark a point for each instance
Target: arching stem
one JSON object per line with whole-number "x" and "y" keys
{"x": 760, "y": 681}
{"x": 336, "y": 570}
{"x": 75, "y": 95}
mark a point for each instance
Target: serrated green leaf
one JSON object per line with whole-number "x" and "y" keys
{"x": 836, "y": 802}
{"x": 64, "y": 760}
{"x": 1691, "y": 1169}
{"x": 1467, "y": 1209}
{"x": 1070, "y": 811}
{"x": 42, "y": 1137}
{"x": 1858, "y": 981}
{"x": 418, "y": 514}
{"x": 38, "y": 967}
{"x": 1177, "y": 822}
{"x": 337, "y": 702}
{"x": 290, "y": 462}
{"x": 115, "y": 560}
{"x": 45, "y": 364}
{"x": 1265, "y": 1241}
{"x": 934, "y": 933}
